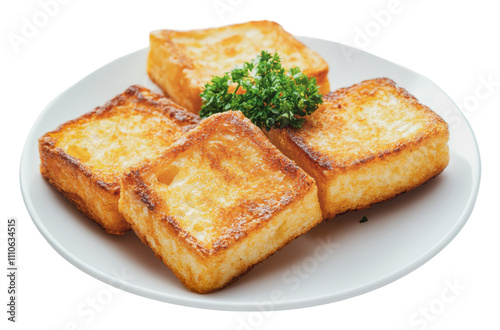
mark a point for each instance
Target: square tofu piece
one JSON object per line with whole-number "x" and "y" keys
{"x": 218, "y": 201}
{"x": 85, "y": 157}
{"x": 182, "y": 62}
{"x": 366, "y": 144}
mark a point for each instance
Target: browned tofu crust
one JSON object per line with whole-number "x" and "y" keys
{"x": 182, "y": 62}
{"x": 247, "y": 198}
{"x": 367, "y": 143}
{"x": 84, "y": 157}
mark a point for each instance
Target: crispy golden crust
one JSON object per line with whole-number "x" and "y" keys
{"x": 205, "y": 287}
{"x": 182, "y": 62}
{"x": 84, "y": 157}
{"x": 370, "y": 141}
{"x": 224, "y": 208}
{"x": 247, "y": 208}
{"x": 69, "y": 176}
{"x": 346, "y": 99}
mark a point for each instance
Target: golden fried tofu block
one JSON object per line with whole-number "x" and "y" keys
{"x": 85, "y": 157}
{"x": 366, "y": 144}
{"x": 218, "y": 201}
{"x": 182, "y": 62}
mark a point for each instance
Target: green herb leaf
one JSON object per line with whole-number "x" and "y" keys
{"x": 266, "y": 93}
{"x": 364, "y": 219}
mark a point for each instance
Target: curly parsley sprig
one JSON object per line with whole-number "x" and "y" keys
{"x": 266, "y": 93}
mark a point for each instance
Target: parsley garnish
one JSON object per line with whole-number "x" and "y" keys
{"x": 266, "y": 93}
{"x": 364, "y": 219}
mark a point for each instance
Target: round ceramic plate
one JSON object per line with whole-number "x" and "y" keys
{"x": 335, "y": 260}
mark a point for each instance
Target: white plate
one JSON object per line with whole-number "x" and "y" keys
{"x": 336, "y": 260}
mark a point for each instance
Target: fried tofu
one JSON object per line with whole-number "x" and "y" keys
{"x": 366, "y": 144}
{"x": 85, "y": 157}
{"x": 218, "y": 201}
{"x": 182, "y": 62}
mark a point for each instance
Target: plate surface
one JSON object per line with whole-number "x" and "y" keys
{"x": 335, "y": 260}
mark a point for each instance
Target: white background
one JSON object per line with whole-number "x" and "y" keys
{"x": 453, "y": 43}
